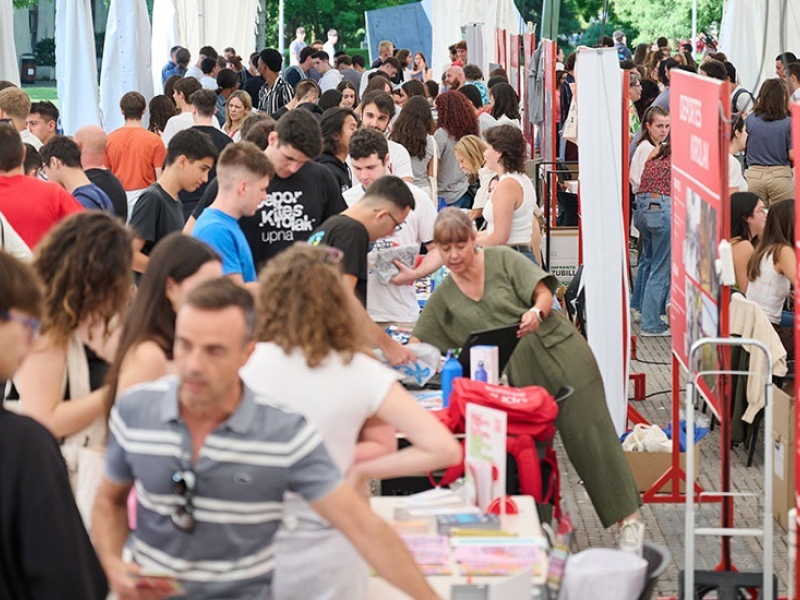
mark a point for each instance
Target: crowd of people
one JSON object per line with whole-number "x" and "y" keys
{"x": 760, "y": 179}
{"x": 195, "y": 298}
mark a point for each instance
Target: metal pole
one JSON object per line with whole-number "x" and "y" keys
{"x": 281, "y": 35}
{"x": 694, "y": 28}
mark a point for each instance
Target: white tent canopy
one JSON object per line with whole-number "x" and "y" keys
{"x": 126, "y": 58}
{"x": 492, "y": 14}
{"x": 9, "y": 68}
{"x": 746, "y": 24}
{"x": 217, "y": 24}
{"x": 76, "y": 66}
{"x": 164, "y": 37}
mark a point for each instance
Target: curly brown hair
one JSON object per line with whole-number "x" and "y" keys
{"x": 303, "y": 303}
{"x": 84, "y": 264}
{"x": 456, "y": 115}
{"x": 413, "y": 125}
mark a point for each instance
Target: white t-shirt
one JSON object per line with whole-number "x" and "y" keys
{"x": 336, "y": 397}
{"x": 28, "y": 138}
{"x": 194, "y": 71}
{"x": 643, "y": 151}
{"x": 330, "y": 80}
{"x": 179, "y": 123}
{"x": 735, "y": 177}
{"x": 522, "y": 219}
{"x": 387, "y": 302}
{"x": 208, "y": 83}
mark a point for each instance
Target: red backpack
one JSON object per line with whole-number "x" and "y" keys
{"x": 532, "y": 413}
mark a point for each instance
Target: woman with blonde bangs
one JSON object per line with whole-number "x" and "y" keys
{"x": 84, "y": 264}
{"x": 311, "y": 359}
{"x": 469, "y": 154}
{"x": 238, "y": 108}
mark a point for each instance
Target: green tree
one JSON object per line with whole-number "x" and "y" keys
{"x": 317, "y": 16}
{"x": 653, "y": 19}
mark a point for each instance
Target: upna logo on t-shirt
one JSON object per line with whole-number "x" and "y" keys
{"x": 316, "y": 239}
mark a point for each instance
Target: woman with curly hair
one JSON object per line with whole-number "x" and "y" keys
{"x": 308, "y": 344}
{"x": 237, "y": 109}
{"x": 412, "y": 130}
{"x": 177, "y": 265}
{"x": 456, "y": 119}
{"x": 161, "y": 109}
{"x": 84, "y": 265}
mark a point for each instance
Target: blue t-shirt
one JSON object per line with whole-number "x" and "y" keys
{"x": 223, "y": 234}
{"x": 768, "y": 142}
{"x": 92, "y": 197}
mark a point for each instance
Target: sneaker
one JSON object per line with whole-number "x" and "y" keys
{"x": 631, "y": 536}
{"x": 636, "y": 315}
{"x": 663, "y": 333}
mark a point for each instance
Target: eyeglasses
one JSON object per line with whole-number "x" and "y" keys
{"x": 184, "y": 483}
{"x": 398, "y": 225}
{"x": 29, "y": 322}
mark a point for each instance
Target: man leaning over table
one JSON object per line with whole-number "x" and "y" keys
{"x": 210, "y": 467}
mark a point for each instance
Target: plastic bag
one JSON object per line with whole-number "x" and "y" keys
{"x": 647, "y": 438}
{"x": 420, "y": 371}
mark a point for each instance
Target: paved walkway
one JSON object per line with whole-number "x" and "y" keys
{"x": 665, "y": 522}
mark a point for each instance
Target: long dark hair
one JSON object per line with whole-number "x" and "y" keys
{"x": 331, "y": 124}
{"x": 151, "y": 316}
{"x": 506, "y": 101}
{"x": 778, "y": 232}
{"x": 743, "y": 204}
{"x": 413, "y": 125}
{"x": 162, "y": 109}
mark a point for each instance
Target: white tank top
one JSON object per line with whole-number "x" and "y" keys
{"x": 769, "y": 291}
{"x": 522, "y": 219}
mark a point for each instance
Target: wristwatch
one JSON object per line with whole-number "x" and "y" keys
{"x": 538, "y": 313}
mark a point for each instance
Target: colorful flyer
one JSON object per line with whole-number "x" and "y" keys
{"x": 485, "y": 453}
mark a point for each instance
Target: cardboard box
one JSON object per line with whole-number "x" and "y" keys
{"x": 647, "y": 467}
{"x": 783, "y": 451}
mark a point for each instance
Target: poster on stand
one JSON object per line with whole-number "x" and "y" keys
{"x": 485, "y": 453}
{"x": 795, "y": 142}
{"x": 564, "y": 253}
{"x": 501, "y": 47}
{"x": 698, "y": 218}
{"x": 514, "y": 63}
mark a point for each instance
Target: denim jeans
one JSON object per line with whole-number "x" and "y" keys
{"x": 653, "y": 219}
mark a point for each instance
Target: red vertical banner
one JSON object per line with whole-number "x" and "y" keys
{"x": 515, "y": 72}
{"x": 528, "y": 43}
{"x": 698, "y": 216}
{"x": 501, "y": 46}
{"x": 795, "y": 142}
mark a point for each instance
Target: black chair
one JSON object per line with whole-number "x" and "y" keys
{"x": 658, "y": 559}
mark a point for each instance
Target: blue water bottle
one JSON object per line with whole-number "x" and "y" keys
{"x": 450, "y": 370}
{"x": 480, "y": 373}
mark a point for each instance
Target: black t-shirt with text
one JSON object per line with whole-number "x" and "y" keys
{"x": 352, "y": 238}
{"x": 108, "y": 182}
{"x": 294, "y": 208}
{"x": 155, "y": 215}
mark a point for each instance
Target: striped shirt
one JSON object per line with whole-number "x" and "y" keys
{"x": 271, "y": 99}
{"x": 242, "y": 471}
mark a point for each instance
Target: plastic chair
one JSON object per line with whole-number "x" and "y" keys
{"x": 658, "y": 559}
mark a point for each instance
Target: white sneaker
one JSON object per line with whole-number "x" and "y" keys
{"x": 665, "y": 333}
{"x": 636, "y": 316}
{"x": 631, "y": 536}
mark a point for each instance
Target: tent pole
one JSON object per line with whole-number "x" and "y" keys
{"x": 694, "y": 27}
{"x": 281, "y": 35}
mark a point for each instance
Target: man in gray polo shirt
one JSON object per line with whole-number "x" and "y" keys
{"x": 210, "y": 466}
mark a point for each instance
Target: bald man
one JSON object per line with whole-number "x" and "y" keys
{"x": 454, "y": 78}
{"x": 92, "y": 142}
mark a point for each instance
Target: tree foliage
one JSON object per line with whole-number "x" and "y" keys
{"x": 653, "y": 19}
{"x": 317, "y": 16}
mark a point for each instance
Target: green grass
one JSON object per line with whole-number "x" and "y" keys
{"x": 41, "y": 92}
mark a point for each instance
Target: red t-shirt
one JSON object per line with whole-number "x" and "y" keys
{"x": 33, "y": 206}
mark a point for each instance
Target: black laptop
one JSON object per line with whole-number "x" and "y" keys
{"x": 505, "y": 338}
